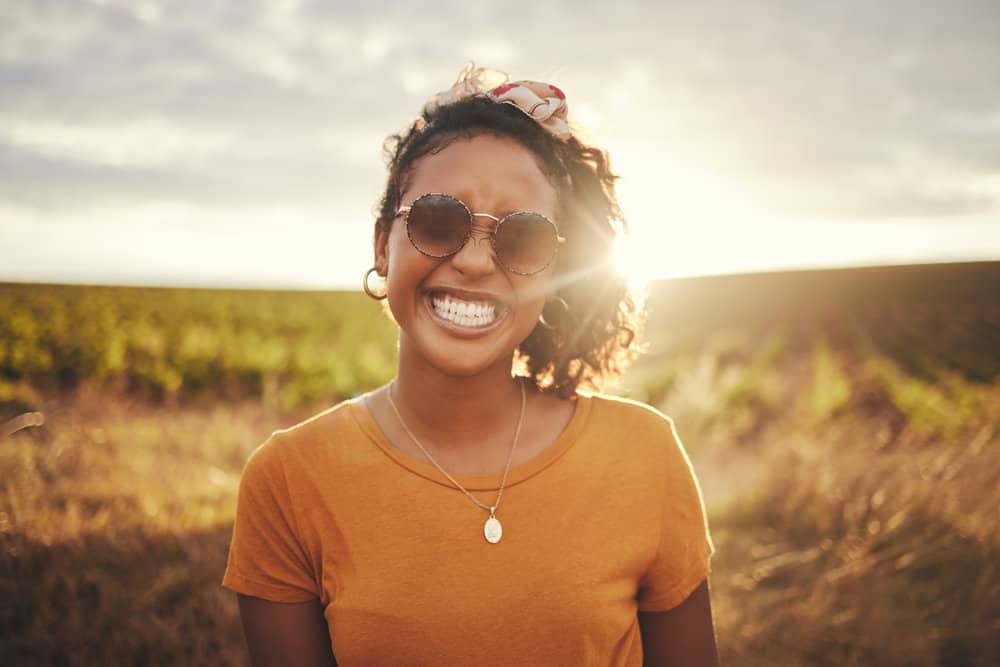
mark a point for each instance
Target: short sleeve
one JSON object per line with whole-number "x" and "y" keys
{"x": 683, "y": 558}
{"x": 266, "y": 557}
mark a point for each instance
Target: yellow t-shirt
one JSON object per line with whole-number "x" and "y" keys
{"x": 607, "y": 521}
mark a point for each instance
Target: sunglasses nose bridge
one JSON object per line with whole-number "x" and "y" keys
{"x": 477, "y": 255}
{"x": 483, "y": 229}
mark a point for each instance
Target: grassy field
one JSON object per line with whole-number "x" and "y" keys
{"x": 844, "y": 424}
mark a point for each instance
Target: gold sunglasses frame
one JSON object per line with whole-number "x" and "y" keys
{"x": 405, "y": 212}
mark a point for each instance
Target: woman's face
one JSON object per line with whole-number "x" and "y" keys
{"x": 428, "y": 296}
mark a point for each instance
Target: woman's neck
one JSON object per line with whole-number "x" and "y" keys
{"x": 455, "y": 413}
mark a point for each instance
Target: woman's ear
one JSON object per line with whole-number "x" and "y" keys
{"x": 381, "y": 249}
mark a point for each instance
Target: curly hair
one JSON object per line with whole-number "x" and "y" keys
{"x": 593, "y": 338}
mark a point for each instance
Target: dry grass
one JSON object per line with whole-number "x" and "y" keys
{"x": 855, "y": 513}
{"x": 115, "y": 519}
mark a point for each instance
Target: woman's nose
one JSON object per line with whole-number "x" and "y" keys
{"x": 477, "y": 256}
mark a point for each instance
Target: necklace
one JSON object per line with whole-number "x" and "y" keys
{"x": 492, "y": 529}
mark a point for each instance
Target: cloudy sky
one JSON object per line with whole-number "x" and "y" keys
{"x": 238, "y": 142}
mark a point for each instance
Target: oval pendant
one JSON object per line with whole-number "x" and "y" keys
{"x": 493, "y": 530}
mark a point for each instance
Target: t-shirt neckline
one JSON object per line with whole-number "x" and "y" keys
{"x": 528, "y": 469}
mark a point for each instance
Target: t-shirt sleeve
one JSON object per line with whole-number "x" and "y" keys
{"x": 266, "y": 556}
{"x": 683, "y": 558}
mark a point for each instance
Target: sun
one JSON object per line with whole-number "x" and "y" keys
{"x": 628, "y": 260}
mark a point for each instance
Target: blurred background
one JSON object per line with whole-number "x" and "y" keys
{"x": 187, "y": 193}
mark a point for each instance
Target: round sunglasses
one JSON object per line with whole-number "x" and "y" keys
{"x": 439, "y": 225}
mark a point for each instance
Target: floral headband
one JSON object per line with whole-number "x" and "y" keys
{"x": 543, "y": 102}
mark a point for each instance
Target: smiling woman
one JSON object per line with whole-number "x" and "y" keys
{"x": 488, "y": 506}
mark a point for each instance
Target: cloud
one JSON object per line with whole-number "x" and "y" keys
{"x": 319, "y": 181}
{"x": 853, "y": 110}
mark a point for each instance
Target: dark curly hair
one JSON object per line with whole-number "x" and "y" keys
{"x": 594, "y": 338}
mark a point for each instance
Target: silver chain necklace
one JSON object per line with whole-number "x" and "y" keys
{"x": 492, "y": 529}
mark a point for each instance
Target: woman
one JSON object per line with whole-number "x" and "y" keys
{"x": 464, "y": 514}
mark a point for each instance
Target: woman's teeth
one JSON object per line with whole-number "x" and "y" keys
{"x": 464, "y": 313}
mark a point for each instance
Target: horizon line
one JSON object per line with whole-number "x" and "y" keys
{"x": 343, "y": 287}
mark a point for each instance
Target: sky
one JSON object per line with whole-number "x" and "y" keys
{"x": 239, "y": 143}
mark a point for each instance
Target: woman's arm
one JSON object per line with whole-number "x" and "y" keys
{"x": 680, "y": 637}
{"x": 285, "y": 633}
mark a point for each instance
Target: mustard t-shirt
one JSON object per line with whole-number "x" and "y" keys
{"x": 607, "y": 521}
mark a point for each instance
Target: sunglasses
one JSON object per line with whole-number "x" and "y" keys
{"x": 439, "y": 226}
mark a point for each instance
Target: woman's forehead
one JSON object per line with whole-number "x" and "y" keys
{"x": 484, "y": 170}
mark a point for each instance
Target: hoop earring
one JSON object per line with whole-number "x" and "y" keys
{"x": 547, "y": 322}
{"x": 368, "y": 290}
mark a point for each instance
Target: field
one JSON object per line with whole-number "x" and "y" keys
{"x": 844, "y": 424}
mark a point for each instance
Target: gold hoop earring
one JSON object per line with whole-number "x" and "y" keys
{"x": 368, "y": 290}
{"x": 553, "y": 321}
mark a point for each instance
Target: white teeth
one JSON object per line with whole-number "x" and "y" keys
{"x": 464, "y": 313}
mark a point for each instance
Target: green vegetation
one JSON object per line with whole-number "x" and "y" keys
{"x": 287, "y": 348}
{"x": 847, "y": 454}
{"x": 831, "y": 388}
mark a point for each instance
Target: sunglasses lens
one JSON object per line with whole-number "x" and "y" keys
{"x": 437, "y": 225}
{"x": 526, "y": 242}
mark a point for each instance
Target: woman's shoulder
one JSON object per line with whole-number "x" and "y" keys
{"x": 628, "y": 412}
{"x": 303, "y": 440}
{"x": 633, "y": 424}
{"x": 646, "y": 439}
